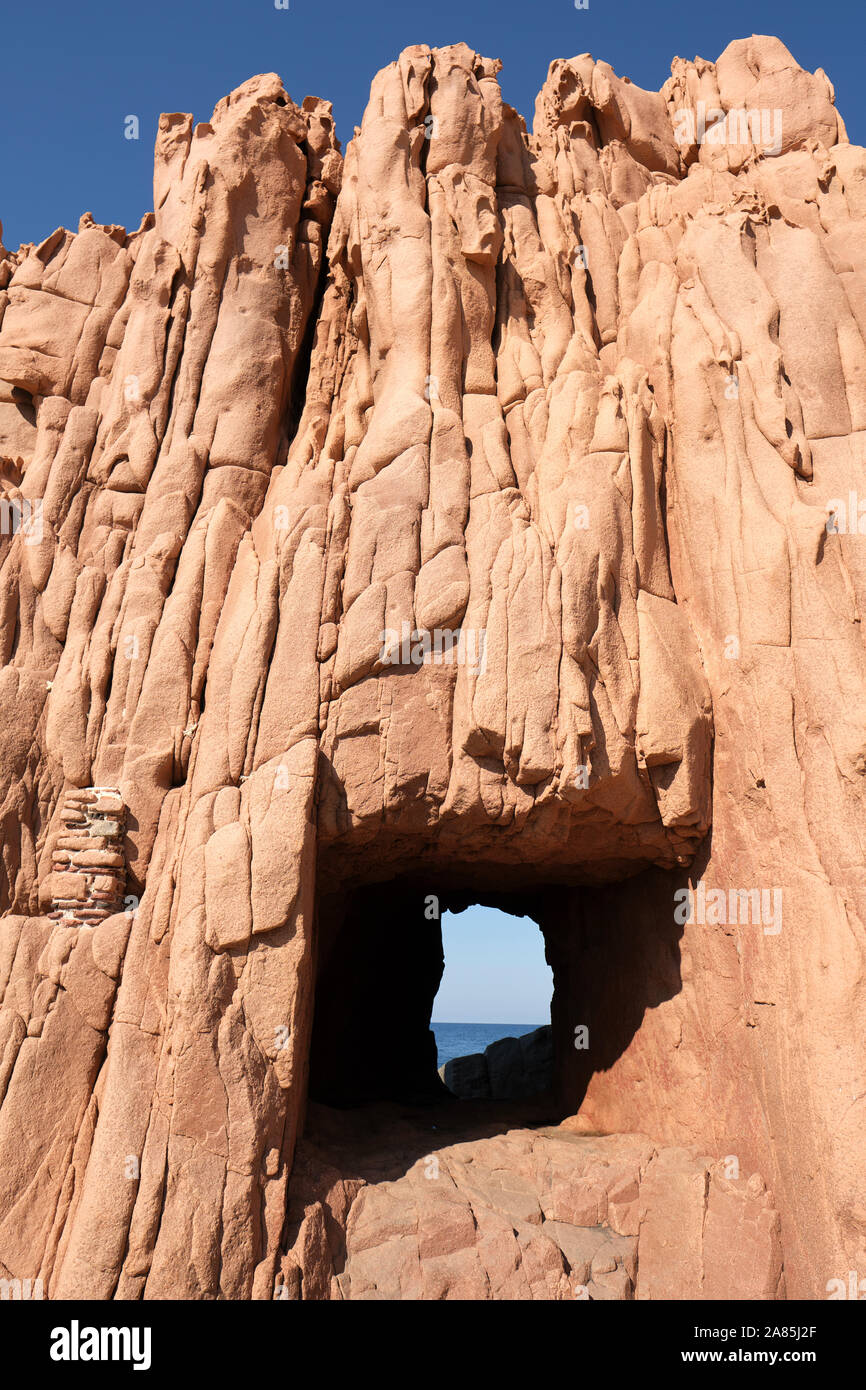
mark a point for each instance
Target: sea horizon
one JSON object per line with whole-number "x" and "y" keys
{"x": 459, "y": 1038}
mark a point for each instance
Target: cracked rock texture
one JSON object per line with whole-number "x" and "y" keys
{"x": 529, "y": 1214}
{"x": 452, "y": 515}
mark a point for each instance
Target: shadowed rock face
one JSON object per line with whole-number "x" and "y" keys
{"x": 448, "y": 523}
{"x": 509, "y": 1068}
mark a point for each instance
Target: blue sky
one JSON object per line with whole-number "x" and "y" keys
{"x": 71, "y": 73}
{"x": 495, "y": 971}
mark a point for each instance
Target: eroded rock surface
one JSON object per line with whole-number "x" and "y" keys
{"x": 539, "y": 1213}
{"x": 451, "y": 516}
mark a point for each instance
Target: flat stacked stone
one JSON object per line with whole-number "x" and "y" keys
{"x": 88, "y": 879}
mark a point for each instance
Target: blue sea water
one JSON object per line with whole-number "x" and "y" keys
{"x": 461, "y": 1039}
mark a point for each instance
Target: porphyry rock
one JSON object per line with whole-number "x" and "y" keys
{"x": 474, "y": 517}
{"x": 492, "y": 1218}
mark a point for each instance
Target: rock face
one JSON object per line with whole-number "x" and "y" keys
{"x": 529, "y": 1214}
{"x": 445, "y": 524}
{"x": 509, "y": 1069}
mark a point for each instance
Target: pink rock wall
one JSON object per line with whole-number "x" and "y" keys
{"x": 457, "y": 510}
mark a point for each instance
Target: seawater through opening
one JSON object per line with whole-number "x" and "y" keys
{"x": 491, "y": 1015}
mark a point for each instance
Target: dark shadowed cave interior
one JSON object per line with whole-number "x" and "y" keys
{"x": 380, "y": 962}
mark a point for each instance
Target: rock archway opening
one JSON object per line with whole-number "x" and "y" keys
{"x": 426, "y": 997}
{"x": 612, "y": 949}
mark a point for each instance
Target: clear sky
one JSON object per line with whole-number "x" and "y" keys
{"x": 495, "y": 971}
{"x": 71, "y": 73}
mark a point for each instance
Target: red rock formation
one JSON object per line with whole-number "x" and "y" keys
{"x": 460, "y": 536}
{"x": 527, "y": 1214}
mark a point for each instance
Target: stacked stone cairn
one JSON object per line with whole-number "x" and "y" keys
{"x": 88, "y": 865}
